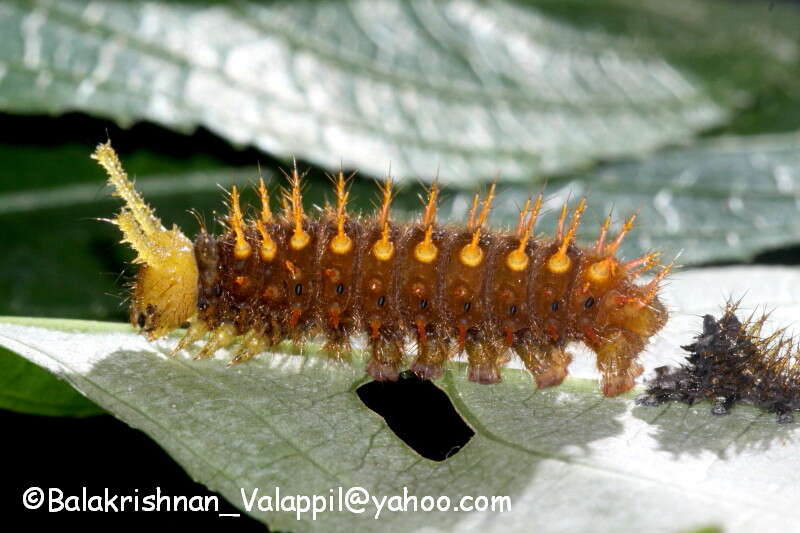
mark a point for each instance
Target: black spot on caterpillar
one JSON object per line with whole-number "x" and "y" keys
{"x": 730, "y": 362}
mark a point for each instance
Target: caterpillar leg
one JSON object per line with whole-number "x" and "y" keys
{"x": 547, "y": 362}
{"x": 483, "y": 358}
{"x": 337, "y": 346}
{"x": 432, "y": 352}
{"x": 253, "y": 343}
{"x": 274, "y": 332}
{"x": 222, "y": 337}
{"x": 337, "y": 330}
{"x": 616, "y": 351}
{"x": 197, "y": 330}
{"x": 385, "y": 359}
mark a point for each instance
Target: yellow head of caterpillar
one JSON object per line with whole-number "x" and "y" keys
{"x": 165, "y": 292}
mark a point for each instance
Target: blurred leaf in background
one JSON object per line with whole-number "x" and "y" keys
{"x": 471, "y": 88}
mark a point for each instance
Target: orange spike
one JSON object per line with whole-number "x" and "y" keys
{"x": 387, "y": 195}
{"x": 429, "y": 216}
{"x": 241, "y": 250}
{"x": 522, "y": 216}
{"x": 652, "y": 287}
{"x": 562, "y": 218}
{"x": 611, "y": 249}
{"x": 601, "y": 239}
{"x": 560, "y": 262}
{"x": 645, "y": 263}
{"x": 425, "y": 251}
{"x": 574, "y": 224}
{"x": 472, "y": 254}
{"x": 517, "y": 259}
{"x": 537, "y": 207}
{"x": 486, "y": 207}
{"x": 383, "y": 249}
{"x": 268, "y": 246}
{"x": 266, "y": 212}
{"x": 473, "y": 211}
{"x": 293, "y": 202}
{"x": 341, "y": 243}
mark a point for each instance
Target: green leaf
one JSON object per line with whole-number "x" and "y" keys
{"x": 470, "y": 88}
{"x": 26, "y": 388}
{"x": 568, "y": 458}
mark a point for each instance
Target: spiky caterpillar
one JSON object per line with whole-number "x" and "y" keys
{"x": 732, "y": 362}
{"x": 449, "y": 289}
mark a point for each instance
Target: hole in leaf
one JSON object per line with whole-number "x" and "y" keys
{"x": 419, "y": 413}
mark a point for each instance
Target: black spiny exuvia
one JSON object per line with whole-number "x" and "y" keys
{"x": 732, "y": 361}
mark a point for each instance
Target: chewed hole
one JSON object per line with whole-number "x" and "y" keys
{"x": 420, "y": 414}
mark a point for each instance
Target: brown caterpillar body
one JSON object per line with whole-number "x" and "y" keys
{"x": 448, "y": 289}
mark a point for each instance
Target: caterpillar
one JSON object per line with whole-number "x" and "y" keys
{"x": 450, "y": 290}
{"x": 729, "y": 362}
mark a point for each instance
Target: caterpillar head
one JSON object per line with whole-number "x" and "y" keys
{"x": 165, "y": 291}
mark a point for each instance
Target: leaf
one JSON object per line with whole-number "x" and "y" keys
{"x": 568, "y": 458}
{"x": 465, "y": 87}
{"x": 26, "y": 388}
